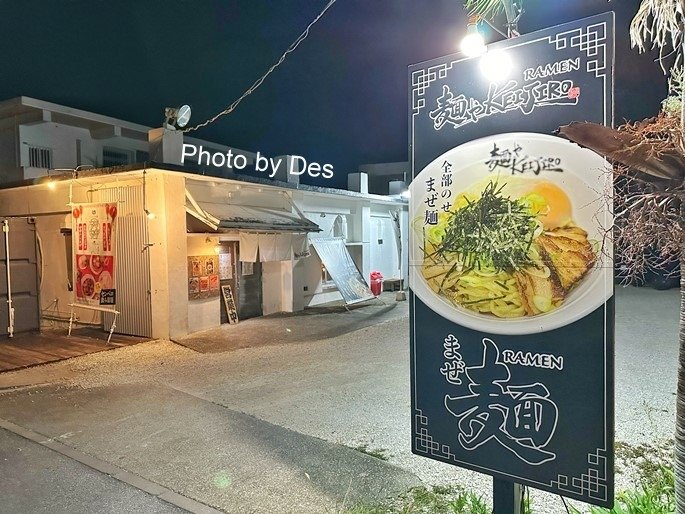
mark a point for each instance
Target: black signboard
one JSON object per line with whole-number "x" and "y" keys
{"x": 510, "y": 275}
{"x": 108, "y": 296}
{"x": 342, "y": 269}
{"x": 229, "y": 304}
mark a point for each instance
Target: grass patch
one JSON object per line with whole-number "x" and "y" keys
{"x": 655, "y": 493}
{"x": 423, "y": 500}
{"x": 378, "y": 453}
{"x": 647, "y": 459}
{"x": 654, "y": 497}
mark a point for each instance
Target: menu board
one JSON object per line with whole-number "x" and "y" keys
{"x": 94, "y": 238}
{"x": 203, "y": 277}
{"x": 511, "y": 291}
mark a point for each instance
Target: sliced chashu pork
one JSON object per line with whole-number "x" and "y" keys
{"x": 538, "y": 294}
{"x": 569, "y": 253}
{"x": 569, "y": 256}
{"x": 575, "y": 233}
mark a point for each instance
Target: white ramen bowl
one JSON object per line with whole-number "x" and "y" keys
{"x": 586, "y": 180}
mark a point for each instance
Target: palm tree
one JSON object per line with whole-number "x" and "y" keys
{"x": 649, "y": 159}
{"x": 654, "y": 152}
{"x": 490, "y": 9}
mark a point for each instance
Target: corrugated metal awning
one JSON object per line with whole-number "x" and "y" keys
{"x": 254, "y": 219}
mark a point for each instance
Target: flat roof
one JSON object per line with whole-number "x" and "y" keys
{"x": 207, "y": 173}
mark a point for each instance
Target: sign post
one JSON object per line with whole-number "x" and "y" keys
{"x": 506, "y": 497}
{"x": 511, "y": 272}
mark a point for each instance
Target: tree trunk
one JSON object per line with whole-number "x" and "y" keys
{"x": 680, "y": 399}
{"x": 680, "y": 395}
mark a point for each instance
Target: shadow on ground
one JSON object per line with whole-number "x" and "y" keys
{"x": 312, "y": 324}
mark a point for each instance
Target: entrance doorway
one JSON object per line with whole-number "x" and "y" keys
{"x": 245, "y": 279}
{"x": 250, "y": 289}
{"x": 228, "y": 259}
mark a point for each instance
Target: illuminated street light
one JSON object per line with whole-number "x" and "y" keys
{"x": 473, "y": 43}
{"x": 496, "y": 65}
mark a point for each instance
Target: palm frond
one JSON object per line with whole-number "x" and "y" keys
{"x": 658, "y": 24}
{"x": 487, "y": 9}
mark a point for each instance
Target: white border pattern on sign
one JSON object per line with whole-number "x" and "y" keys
{"x": 422, "y": 79}
{"x": 592, "y": 483}
{"x": 592, "y": 41}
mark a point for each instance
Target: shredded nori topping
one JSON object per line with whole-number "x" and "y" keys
{"x": 491, "y": 232}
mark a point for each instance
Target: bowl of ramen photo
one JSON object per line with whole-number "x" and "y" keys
{"x": 88, "y": 286}
{"x": 508, "y": 234}
{"x": 96, "y": 263}
{"x": 105, "y": 280}
{"x": 82, "y": 261}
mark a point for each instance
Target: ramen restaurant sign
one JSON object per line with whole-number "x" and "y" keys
{"x": 510, "y": 273}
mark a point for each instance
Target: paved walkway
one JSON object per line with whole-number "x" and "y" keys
{"x": 201, "y": 450}
{"x": 36, "y": 479}
{"x": 312, "y": 324}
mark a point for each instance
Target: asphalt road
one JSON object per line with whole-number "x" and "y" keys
{"x": 36, "y": 480}
{"x": 274, "y": 426}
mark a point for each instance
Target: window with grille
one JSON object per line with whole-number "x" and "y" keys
{"x": 40, "y": 157}
{"x": 142, "y": 156}
{"x": 115, "y": 157}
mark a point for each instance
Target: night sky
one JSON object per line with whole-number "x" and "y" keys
{"x": 340, "y": 98}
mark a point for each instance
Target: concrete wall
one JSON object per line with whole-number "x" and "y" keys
{"x": 62, "y": 139}
{"x": 368, "y": 223}
{"x": 55, "y": 295}
{"x": 52, "y": 212}
{"x": 168, "y": 255}
{"x": 235, "y": 193}
{"x": 287, "y": 286}
{"x": 381, "y": 174}
{"x": 9, "y": 169}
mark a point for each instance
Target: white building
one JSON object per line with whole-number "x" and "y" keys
{"x": 53, "y": 157}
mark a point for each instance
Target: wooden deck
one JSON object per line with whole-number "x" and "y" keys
{"x": 32, "y": 348}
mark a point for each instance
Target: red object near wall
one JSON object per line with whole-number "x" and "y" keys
{"x": 376, "y": 282}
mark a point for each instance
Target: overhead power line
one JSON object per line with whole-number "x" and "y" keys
{"x": 261, "y": 79}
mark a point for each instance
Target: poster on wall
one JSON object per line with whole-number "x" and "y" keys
{"x": 94, "y": 238}
{"x": 511, "y": 272}
{"x": 225, "y": 266}
{"x": 203, "y": 277}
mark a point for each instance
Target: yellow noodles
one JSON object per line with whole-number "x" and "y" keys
{"x": 488, "y": 293}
